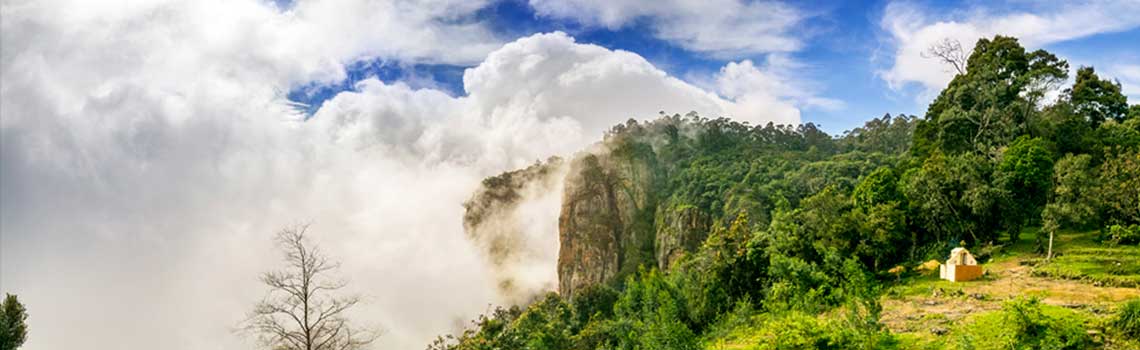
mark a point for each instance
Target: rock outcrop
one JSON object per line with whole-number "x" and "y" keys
{"x": 613, "y": 216}
{"x": 680, "y": 229}
{"x": 498, "y": 222}
{"x": 589, "y": 227}
{"x": 606, "y": 226}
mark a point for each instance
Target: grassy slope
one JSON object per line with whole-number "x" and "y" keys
{"x": 1084, "y": 283}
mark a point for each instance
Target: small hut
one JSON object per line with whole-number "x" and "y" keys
{"x": 960, "y": 267}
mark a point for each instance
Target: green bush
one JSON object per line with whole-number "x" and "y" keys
{"x": 798, "y": 330}
{"x": 1032, "y": 328}
{"x": 1127, "y": 320}
{"x": 1118, "y": 234}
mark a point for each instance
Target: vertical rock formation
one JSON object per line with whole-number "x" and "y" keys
{"x": 500, "y": 220}
{"x": 615, "y": 213}
{"x": 680, "y": 229}
{"x": 589, "y": 227}
{"x": 606, "y": 226}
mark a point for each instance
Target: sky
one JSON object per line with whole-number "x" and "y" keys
{"x": 149, "y": 149}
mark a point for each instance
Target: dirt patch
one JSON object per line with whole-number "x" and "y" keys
{"x": 944, "y": 303}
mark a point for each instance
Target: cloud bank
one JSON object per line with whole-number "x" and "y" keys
{"x": 148, "y": 155}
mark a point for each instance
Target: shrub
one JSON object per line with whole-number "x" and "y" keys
{"x": 1118, "y": 234}
{"x": 798, "y": 330}
{"x": 1034, "y": 329}
{"x": 1127, "y": 320}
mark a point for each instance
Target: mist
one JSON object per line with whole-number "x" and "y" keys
{"x": 148, "y": 154}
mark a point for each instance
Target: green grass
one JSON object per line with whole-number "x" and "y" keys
{"x": 993, "y": 330}
{"x": 1078, "y": 256}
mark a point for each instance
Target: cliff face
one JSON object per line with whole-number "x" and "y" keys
{"x": 611, "y": 220}
{"x": 500, "y": 220}
{"x": 680, "y": 229}
{"x": 589, "y": 227}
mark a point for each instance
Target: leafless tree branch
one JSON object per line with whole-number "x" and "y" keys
{"x": 301, "y": 311}
{"x": 948, "y": 51}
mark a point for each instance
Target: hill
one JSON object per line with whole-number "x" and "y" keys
{"x": 686, "y": 232}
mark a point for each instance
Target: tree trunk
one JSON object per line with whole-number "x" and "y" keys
{"x": 1049, "y": 255}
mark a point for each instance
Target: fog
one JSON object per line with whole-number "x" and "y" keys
{"x": 148, "y": 155}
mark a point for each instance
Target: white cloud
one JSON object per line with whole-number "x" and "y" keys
{"x": 724, "y": 28}
{"x": 914, "y": 29}
{"x": 148, "y": 155}
{"x": 772, "y": 84}
{"x": 1129, "y": 77}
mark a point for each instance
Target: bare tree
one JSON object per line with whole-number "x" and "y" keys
{"x": 948, "y": 51}
{"x": 301, "y": 310}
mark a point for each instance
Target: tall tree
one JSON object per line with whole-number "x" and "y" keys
{"x": 989, "y": 105}
{"x": 1026, "y": 172}
{"x": 1097, "y": 99}
{"x": 1072, "y": 202}
{"x": 1119, "y": 188}
{"x": 13, "y": 326}
{"x": 302, "y": 310}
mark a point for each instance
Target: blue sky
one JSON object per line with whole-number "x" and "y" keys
{"x": 845, "y": 48}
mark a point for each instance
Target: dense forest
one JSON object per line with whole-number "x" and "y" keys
{"x": 802, "y": 231}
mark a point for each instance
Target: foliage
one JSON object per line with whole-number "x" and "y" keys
{"x": 1119, "y": 234}
{"x": 1073, "y": 203}
{"x": 888, "y": 135}
{"x": 795, "y": 228}
{"x": 1119, "y": 189}
{"x": 656, "y": 315}
{"x": 992, "y": 103}
{"x": 954, "y": 198}
{"x": 1096, "y": 98}
{"x": 798, "y": 330}
{"x": 1085, "y": 257}
{"x": 1033, "y": 329}
{"x": 1025, "y": 173}
{"x": 13, "y": 323}
{"x": 1127, "y": 319}
{"x": 878, "y": 187}
{"x": 1021, "y": 324}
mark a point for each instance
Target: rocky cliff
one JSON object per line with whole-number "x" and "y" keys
{"x": 613, "y": 216}
{"x": 500, "y": 218}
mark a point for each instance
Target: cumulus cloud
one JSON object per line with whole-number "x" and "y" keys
{"x": 771, "y": 88}
{"x": 913, "y": 29}
{"x": 723, "y": 28}
{"x": 148, "y": 154}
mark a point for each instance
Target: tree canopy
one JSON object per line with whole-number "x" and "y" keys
{"x": 804, "y": 223}
{"x": 13, "y": 326}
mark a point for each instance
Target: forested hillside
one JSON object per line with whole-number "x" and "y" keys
{"x": 678, "y": 232}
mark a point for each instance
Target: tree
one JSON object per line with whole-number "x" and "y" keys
{"x": 1096, "y": 98}
{"x": 889, "y": 135}
{"x": 1070, "y": 132}
{"x": 1119, "y": 188}
{"x": 1026, "y": 172}
{"x": 954, "y": 199}
{"x": 948, "y": 51}
{"x": 879, "y": 187}
{"x": 301, "y": 310}
{"x": 991, "y": 103}
{"x": 656, "y": 313}
{"x": 13, "y": 329}
{"x": 1072, "y": 201}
